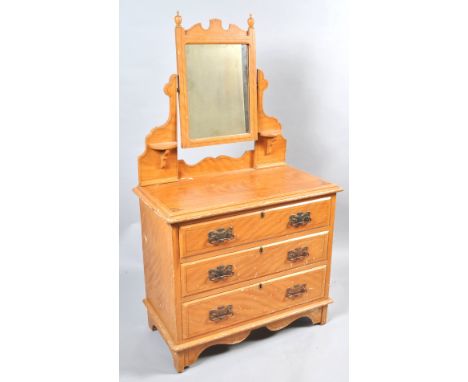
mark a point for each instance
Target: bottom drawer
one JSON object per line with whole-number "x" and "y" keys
{"x": 233, "y": 307}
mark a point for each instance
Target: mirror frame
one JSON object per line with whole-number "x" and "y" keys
{"x": 215, "y": 34}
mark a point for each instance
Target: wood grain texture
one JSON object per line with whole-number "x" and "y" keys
{"x": 220, "y": 165}
{"x": 252, "y": 226}
{"x": 159, "y": 268}
{"x": 178, "y": 358}
{"x": 270, "y": 148}
{"x": 330, "y": 245}
{"x": 215, "y": 34}
{"x": 315, "y": 316}
{"x": 162, "y": 146}
{"x": 252, "y": 301}
{"x": 231, "y": 192}
{"x": 269, "y": 133}
{"x": 265, "y": 122}
{"x": 241, "y": 247}
{"x": 187, "y": 353}
{"x": 186, "y": 350}
{"x": 215, "y": 27}
{"x": 249, "y": 325}
{"x": 187, "y": 357}
{"x": 323, "y": 319}
{"x": 252, "y": 263}
{"x": 154, "y": 319}
{"x": 158, "y": 163}
{"x": 270, "y": 152}
{"x": 247, "y": 283}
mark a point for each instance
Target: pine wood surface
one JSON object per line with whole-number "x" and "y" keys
{"x": 158, "y": 163}
{"x": 187, "y": 357}
{"x": 219, "y": 165}
{"x": 254, "y": 262}
{"x": 248, "y": 283}
{"x": 207, "y": 196}
{"x": 177, "y": 346}
{"x": 227, "y": 250}
{"x": 160, "y": 268}
{"x": 270, "y": 147}
{"x": 251, "y": 226}
{"x": 163, "y": 145}
{"x": 315, "y": 316}
{"x": 330, "y": 242}
{"x": 253, "y": 301}
{"x": 274, "y": 321}
{"x": 192, "y": 354}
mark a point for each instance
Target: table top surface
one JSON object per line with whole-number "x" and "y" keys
{"x": 211, "y": 195}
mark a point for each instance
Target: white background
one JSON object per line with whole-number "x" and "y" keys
{"x": 59, "y": 207}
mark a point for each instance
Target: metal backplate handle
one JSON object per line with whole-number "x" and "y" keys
{"x": 220, "y": 272}
{"x": 220, "y": 235}
{"x": 221, "y": 313}
{"x": 296, "y": 291}
{"x": 300, "y": 219}
{"x": 298, "y": 254}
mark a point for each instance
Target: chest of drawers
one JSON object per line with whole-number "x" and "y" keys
{"x": 225, "y": 254}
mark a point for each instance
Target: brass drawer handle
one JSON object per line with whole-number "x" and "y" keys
{"x": 220, "y": 235}
{"x": 300, "y": 219}
{"x": 220, "y": 272}
{"x": 296, "y": 291}
{"x": 298, "y": 254}
{"x": 221, "y": 313}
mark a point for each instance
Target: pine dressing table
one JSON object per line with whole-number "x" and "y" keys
{"x": 229, "y": 244}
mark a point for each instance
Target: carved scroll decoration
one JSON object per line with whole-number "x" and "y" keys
{"x": 270, "y": 148}
{"x": 158, "y": 163}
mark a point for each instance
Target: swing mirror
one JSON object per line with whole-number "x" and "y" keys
{"x": 217, "y": 85}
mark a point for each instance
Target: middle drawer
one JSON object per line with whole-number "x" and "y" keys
{"x": 258, "y": 261}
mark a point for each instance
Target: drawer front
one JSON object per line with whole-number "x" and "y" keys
{"x": 233, "y": 307}
{"x": 268, "y": 223}
{"x": 248, "y": 264}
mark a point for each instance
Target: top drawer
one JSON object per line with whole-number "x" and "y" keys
{"x": 252, "y": 226}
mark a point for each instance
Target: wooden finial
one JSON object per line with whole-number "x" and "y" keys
{"x": 250, "y": 21}
{"x": 178, "y": 19}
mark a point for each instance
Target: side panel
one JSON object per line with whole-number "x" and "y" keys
{"x": 161, "y": 272}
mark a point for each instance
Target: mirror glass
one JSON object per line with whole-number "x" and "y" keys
{"x": 217, "y": 89}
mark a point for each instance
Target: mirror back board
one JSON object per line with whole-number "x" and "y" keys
{"x": 217, "y": 84}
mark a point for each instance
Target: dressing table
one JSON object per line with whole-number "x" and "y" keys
{"x": 229, "y": 244}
